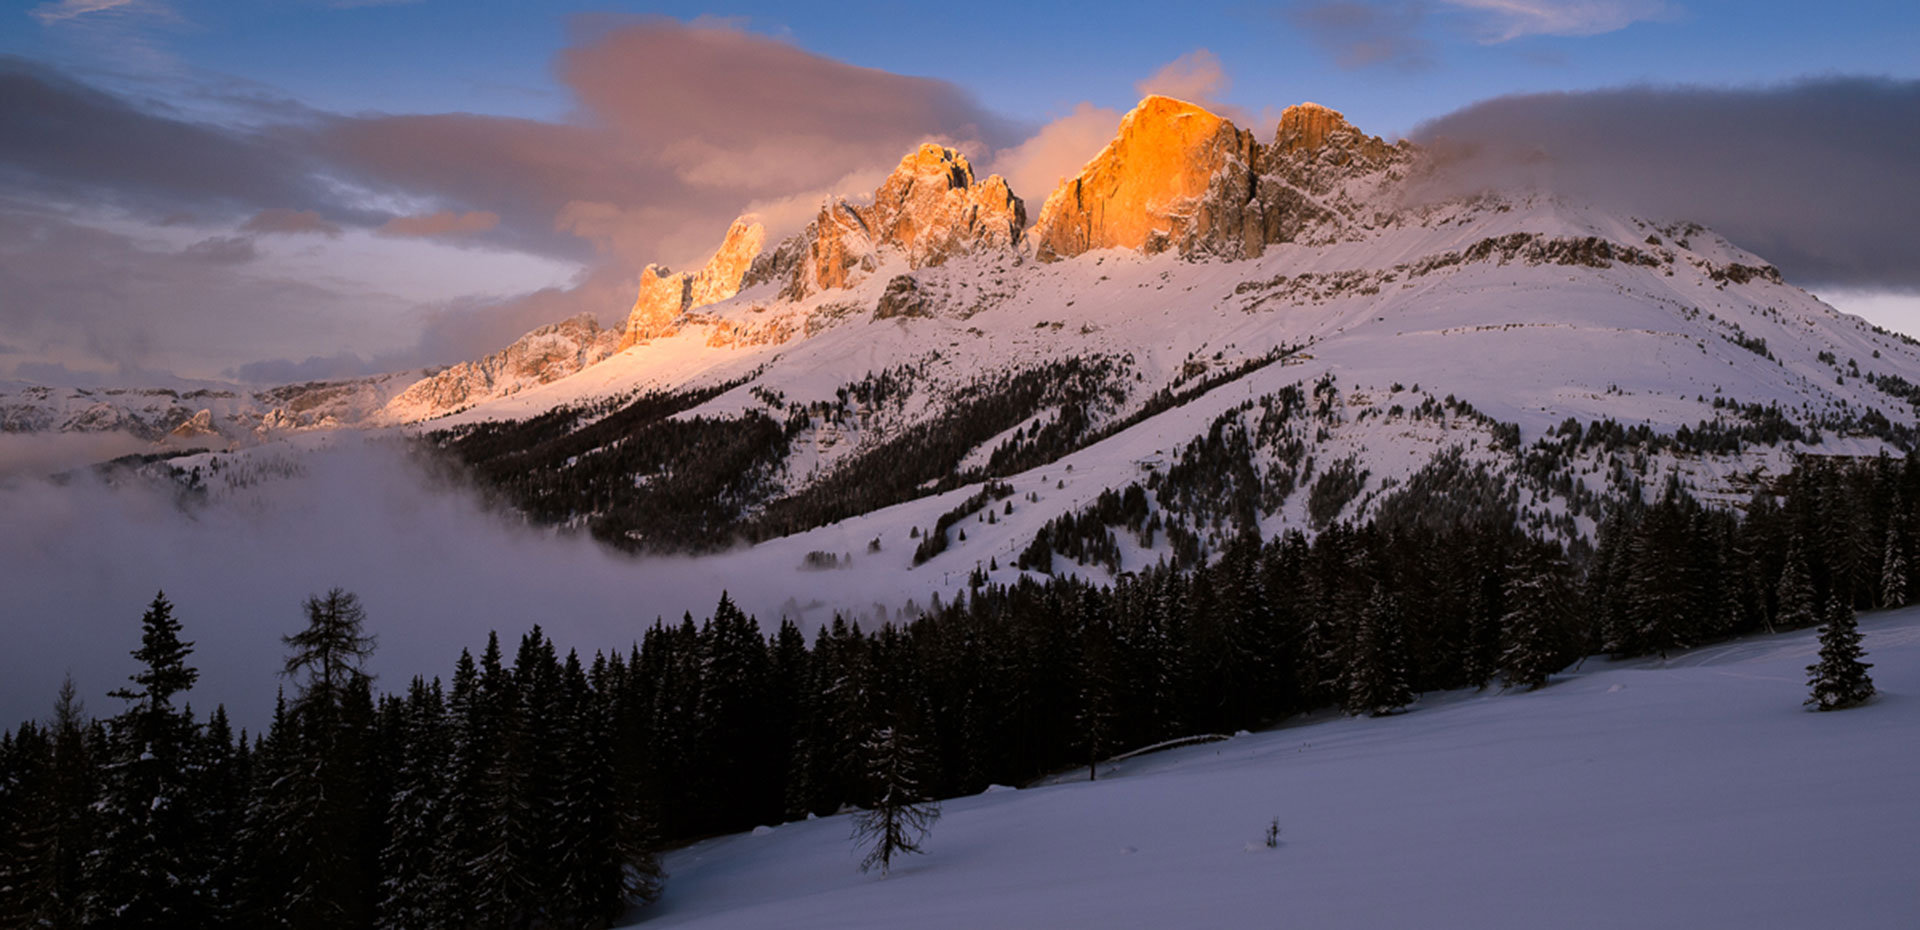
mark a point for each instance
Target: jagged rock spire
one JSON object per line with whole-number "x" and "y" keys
{"x": 665, "y": 295}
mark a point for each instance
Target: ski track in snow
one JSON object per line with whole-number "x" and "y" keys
{"x": 1691, "y": 792}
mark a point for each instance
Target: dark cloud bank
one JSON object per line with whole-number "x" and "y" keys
{"x": 1816, "y": 176}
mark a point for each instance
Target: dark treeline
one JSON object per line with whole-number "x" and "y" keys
{"x": 530, "y": 792}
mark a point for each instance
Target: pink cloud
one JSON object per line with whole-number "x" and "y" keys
{"x": 443, "y": 223}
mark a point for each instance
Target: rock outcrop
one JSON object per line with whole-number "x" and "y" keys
{"x": 665, "y": 295}
{"x": 547, "y": 354}
{"x": 1176, "y": 176}
{"x": 902, "y": 297}
{"x": 1179, "y": 177}
{"x": 930, "y": 209}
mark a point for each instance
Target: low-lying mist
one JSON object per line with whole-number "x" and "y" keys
{"x": 435, "y": 569}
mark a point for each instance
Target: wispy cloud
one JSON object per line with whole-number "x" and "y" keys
{"x": 1506, "y": 20}
{"x": 443, "y": 223}
{"x": 1367, "y": 34}
{"x": 62, "y": 10}
{"x": 1406, "y": 34}
{"x": 282, "y": 221}
{"x": 1195, "y": 77}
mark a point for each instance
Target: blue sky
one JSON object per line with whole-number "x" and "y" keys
{"x": 416, "y": 225}
{"x": 1028, "y": 60}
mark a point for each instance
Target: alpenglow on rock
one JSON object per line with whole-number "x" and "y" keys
{"x": 665, "y": 295}
{"x": 1179, "y": 177}
{"x": 1176, "y": 176}
{"x": 930, "y": 209}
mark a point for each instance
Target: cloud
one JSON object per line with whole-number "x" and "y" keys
{"x": 314, "y": 368}
{"x": 1506, "y": 20}
{"x": 88, "y": 296}
{"x": 1810, "y": 175}
{"x": 443, "y": 223}
{"x": 1366, "y": 34}
{"x": 1055, "y": 153}
{"x": 71, "y": 142}
{"x": 50, "y": 13}
{"x": 677, "y": 128}
{"x": 1195, "y": 77}
{"x": 1401, "y": 34}
{"x": 223, "y": 250}
{"x": 282, "y": 221}
{"x": 434, "y": 568}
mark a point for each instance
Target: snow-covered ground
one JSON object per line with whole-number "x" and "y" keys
{"x": 1693, "y": 792}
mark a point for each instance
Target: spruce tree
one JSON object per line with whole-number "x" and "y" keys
{"x": 1839, "y": 680}
{"x": 27, "y": 826}
{"x": 901, "y": 814}
{"x": 328, "y": 834}
{"x": 412, "y": 886}
{"x": 143, "y": 872}
{"x": 1533, "y": 633}
{"x": 1893, "y": 570}
{"x": 76, "y": 783}
{"x": 1795, "y": 590}
{"x": 1377, "y": 675}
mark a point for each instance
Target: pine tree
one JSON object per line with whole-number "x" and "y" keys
{"x": 1534, "y": 631}
{"x": 1839, "y": 680}
{"x": 1377, "y": 676}
{"x": 901, "y": 814}
{"x": 1893, "y": 570}
{"x": 1795, "y": 590}
{"x": 412, "y": 886}
{"x": 76, "y": 783}
{"x": 328, "y": 834}
{"x": 26, "y": 826}
{"x": 142, "y": 874}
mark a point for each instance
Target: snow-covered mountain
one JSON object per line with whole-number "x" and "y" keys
{"x": 1259, "y": 335}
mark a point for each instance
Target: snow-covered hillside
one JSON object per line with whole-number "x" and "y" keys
{"x": 1693, "y": 792}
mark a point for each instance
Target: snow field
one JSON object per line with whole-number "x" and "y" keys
{"x": 1693, "y": 792}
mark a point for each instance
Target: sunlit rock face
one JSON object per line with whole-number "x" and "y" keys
{"x": 931, "y": 208}
{"x": 664, "y": 295}
{"x": 547, "y": 354}
{"x": 1182, "y": 178}
{"x": 721, "y": 278}
{"x": 1176, "y": 176}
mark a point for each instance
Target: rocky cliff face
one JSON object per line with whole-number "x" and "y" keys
{"x": 1179, "y": 177}
{"x": 546, "y": 354}
{"x": 665, "y": 295}
{"x": 931, "y": 208}
{"x": 1176, "y": 176}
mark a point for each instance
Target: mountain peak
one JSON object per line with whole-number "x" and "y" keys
{"x": 1149, "y": 188}
{"x": 664, "y": 294}
{"x": 931, "y": 208}
{"x": 1307, "y": 126}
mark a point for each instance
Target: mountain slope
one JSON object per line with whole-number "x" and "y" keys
{"x": 1600, "y": 801}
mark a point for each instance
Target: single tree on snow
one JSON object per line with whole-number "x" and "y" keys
{"x": 898, "y": 820}
{"x": 1839, "y": 680}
